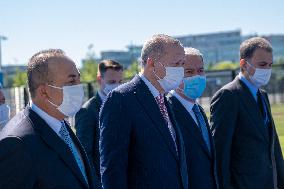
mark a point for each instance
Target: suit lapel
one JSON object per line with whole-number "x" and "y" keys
{"x": 149, "y": 104}
{"x": 180, "y": 145}
{"x": 54, "y": 142}
{"x": 188, "y": 123}
{"x": 251, "y": 105}
{"x": 272, "y": 125}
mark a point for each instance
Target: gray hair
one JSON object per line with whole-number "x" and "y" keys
{"x": 155, "y": 47}
{"x": 190, "y": 51}
{"x": 37, "y": 70}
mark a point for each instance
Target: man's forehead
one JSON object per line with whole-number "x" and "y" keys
{"x": 111, "y": 73}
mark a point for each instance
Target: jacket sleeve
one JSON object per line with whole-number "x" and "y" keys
{"x": 115, "y": 129}
{"x": 15, "y": 164}
{"x": 87, "y": 130}
{"x": 279, "y": 163}
{"x": 224, "y": 110}
{"x": 277, "y": 153}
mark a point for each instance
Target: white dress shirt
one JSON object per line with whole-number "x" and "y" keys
{"x": 188, "y": 105}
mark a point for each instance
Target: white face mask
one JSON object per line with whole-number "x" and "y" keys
{"x": 73, "y": 97}
{"x": 109, "y": 87}
{"x": 260, "y": 77}
{"x": 173, "y": 78}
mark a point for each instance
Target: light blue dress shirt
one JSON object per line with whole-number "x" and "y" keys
{"x": 253, "y": 89}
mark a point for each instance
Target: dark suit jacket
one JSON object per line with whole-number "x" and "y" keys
{"x": 87, "y": 130}
{"x": 137, "y": 150}
{"x": 32, "y": 155}
{"x": 248, "y": 152}
{"x": 201, "y": 164}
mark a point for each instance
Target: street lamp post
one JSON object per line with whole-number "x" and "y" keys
{"x": 2, "y": 38}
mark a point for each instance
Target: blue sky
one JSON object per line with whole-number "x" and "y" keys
{"x": 33, "y": 25}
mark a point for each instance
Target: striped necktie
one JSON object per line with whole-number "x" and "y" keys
{"x": 163, "y": 109}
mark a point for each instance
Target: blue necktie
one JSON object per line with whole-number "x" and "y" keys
{"x": 67, "y": 139}
{"x": 202, "y": 125}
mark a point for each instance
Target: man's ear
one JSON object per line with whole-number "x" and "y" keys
{"x": 150, "y": 62}
{"x": 99, "y": 79}
{"x": 242, "y": 62}
{"x": 42, "y": 91}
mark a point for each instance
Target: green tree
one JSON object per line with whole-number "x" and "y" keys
{"x": 89, "y": 67}
{"x": 130, "y": 72}
{"x": 225, "y": 65}
{"x": 280, "y": 61}
{"x": 19, "y": 79}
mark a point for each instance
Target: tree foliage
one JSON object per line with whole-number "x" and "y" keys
{"x": 280, "y": 61}
{"x": 19, "y": 79}
{"x": 89, "y": 67}
{"x": 130, "y": 72}
{"x": 225, "y": 65}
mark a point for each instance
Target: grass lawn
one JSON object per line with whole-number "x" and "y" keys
{"x": 278, "y": 116}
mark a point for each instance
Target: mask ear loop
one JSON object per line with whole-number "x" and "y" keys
{"x": 56, "y": 106}
{"x": 155, "y": 71}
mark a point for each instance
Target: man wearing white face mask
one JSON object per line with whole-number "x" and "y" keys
{"x": 199, "y": 147}
{"x": 141, "y": 146}
{"x": 110, "y": 75}
{"x": 37, "y": 147}
{"x": 248, "y": 152}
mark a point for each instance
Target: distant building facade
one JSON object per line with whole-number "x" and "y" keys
{"x": 126, "y": 58}
{"x": 215, "y": 47}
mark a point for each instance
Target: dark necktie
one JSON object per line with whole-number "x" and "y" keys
{"x": 202, "y": 126}
{"x": 262, "y": 108}
{"x": 163, "y": 109}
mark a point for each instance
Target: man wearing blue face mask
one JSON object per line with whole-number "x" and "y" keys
{"x": 190, "y": 116}
{"x": 248, "y": 152}
{"x": 141, "y": 146}
{"x": 38, "y": 148}
{"x": 109, "y": 77}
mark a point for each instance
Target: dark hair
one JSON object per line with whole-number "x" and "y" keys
{"x": 249, "y": 46}
{"x": 104, "y": 65}
{"x": 37, "y": 70}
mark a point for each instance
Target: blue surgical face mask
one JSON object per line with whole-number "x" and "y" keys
{"x": 194, "y": 86}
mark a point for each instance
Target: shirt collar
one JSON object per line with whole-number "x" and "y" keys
{"x": 253, "y": 89}
{"x": 188, "y": 105}
{"x": 52, "y": 122}
{"x": 151, "y": 87}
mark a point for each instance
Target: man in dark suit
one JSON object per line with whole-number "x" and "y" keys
{"x": 87, "y": 119}
{"x": 198, "y": 142}
{"x": 247, "y": 146}
{"x": 37, "y": 147}
{"x": 141, "y": 146}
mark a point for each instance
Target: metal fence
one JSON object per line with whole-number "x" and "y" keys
{"x": 18, "y": 97}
